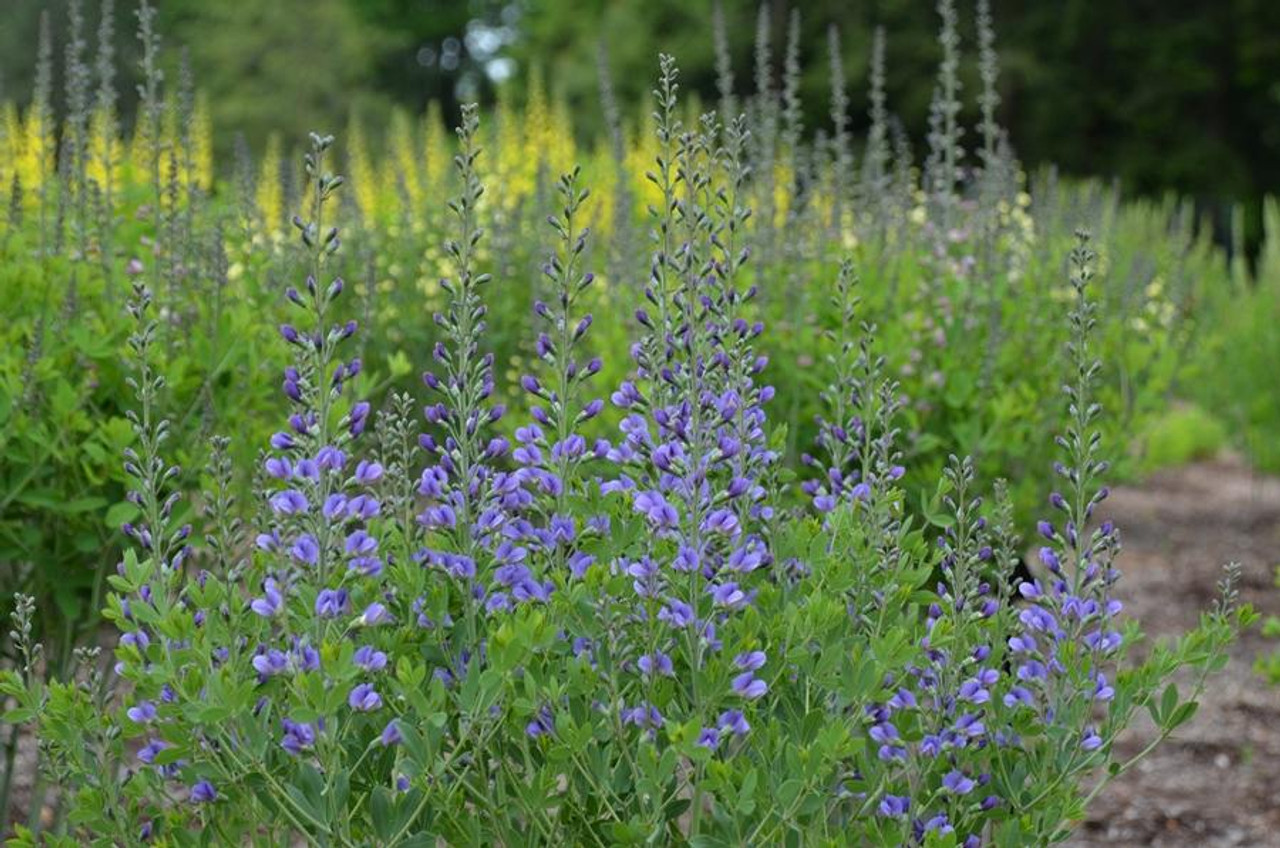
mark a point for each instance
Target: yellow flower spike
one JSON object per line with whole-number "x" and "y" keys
{"x": 10, "y": 130}
{"x": 561, "y": 149}
{"x": 513, "y": 170}
{"x": 139, "y": 152}
{"x": 641, "y": 153}
{"x": 437, "y": 148}
{"x": 405, "y": 164}
{"x": 269, "y": 195}
{"x": 364, "y": 178}
{"x": 202, "y": 143}
{"x": 104, "y": 149}
{"x": 604, "y": 182}
{"x": 33, "y": 157}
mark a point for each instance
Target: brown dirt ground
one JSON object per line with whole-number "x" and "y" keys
{"x": 1216, "y": 783}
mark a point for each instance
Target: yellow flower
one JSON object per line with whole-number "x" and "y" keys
{"x": 363, "y": 176}
{"x": 269, "y": 196}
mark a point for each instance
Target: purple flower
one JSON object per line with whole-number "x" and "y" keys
{"x": 734, "y": 721}
{"x": 289, "y": 502}
{"x": 369, "y": 659}
{"x": 364, "y": 699}
{"x": 884, "y": 733}
{"x": 361, "y": 543}
{"x": 749, "y": 686}
{"x": 269, "y": 604}
{"x": 644, "y": 715}
{"x": 203, "y": 792}
{"x": 335, "y": 507}
{"x": 656, "y": 663}
{"x": 972, "y": 691}
{"x": 375, "y": 614}
{"x": 279, "y": 467}
{"x": 1091, "y": 741}
{"x": 709, "y": 738}
{"x": 306, "y": 657}
{"x": 542, "y": 724}
{"x": 970, "y": 724}
{"x": 391, "y": 734}
{"x": 750, "y": 661}
{"x": 306, "y": 549}
{"x": 298, "y": 737}
{"x": 956, "y": 783}
{"x": 656, "y": 508}
{"x": 894, "y": 806}
{"x": 143, "y": 713}
{"x": 363, "y": 507}
{"x": 1019, "y": 695}
{"x": 368, "y": 472}
{"x": 331, "y": 603}
{"x": 676, "y": 613}
{"x": 271, "y": 663}
{"x": 728, "y": 595}
{"x": 722, "y": 521}
{"x": 147, "y": 753}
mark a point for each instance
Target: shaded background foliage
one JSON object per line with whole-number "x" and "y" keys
{"x": 1182, "y": 96}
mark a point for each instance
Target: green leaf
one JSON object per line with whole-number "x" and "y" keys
{"x": 1183, "y": 714}
{"x": 1168, "y": 702}
{"x": 119, "y": 513}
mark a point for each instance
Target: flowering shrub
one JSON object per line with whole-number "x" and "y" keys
{"x": 958, "y": 254}
{"x": 504, "y": 631}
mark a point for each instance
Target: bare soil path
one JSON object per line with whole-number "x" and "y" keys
{"x": 1217, "y": 782}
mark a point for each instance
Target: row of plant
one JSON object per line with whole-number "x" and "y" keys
{"x": 487, "y": 639}
{"x": 546, "y": 621}
{"x": 960, "y": 263}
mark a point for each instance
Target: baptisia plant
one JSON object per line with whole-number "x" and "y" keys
{"x": 479, "y": 636}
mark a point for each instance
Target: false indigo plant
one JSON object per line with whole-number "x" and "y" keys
{"x": 456, "y": 638}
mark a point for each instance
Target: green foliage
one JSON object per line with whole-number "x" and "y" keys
{"x": 1184, "y": 434}
{"x": 62, "y": 430}
{"x": 241, "y": 702}
{"x": 1234, "y": 368}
